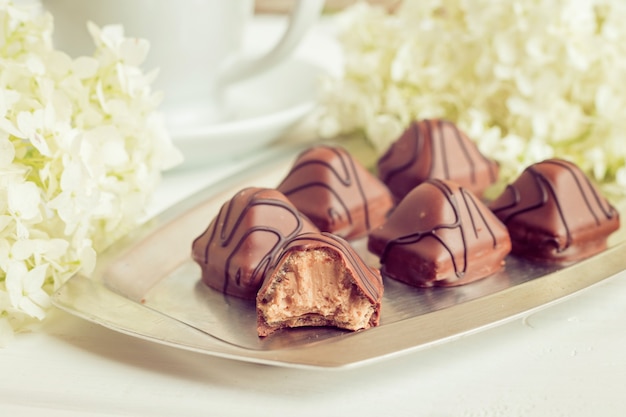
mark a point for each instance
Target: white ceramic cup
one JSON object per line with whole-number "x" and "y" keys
{"x": 195, "y": 44}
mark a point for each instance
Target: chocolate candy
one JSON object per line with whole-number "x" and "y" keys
{"x": 336, "y": 192}
{"x": 240, "y": 242}
{"x": 435, "y": 149}
{"x": 440, "y": 234}
{"x": 554, "y": 213}
{"x": 319, "y": 280}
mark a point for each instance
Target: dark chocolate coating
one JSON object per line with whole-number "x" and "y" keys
{"x": 435, "y": 149}
{"x": 336, "y": 192}
{"x": 440, "y": 234}
{"x": 554, "y": 213}
{"x": 239, "y": 244}
{"x": 366, "y": 280}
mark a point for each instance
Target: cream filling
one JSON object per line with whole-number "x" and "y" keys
{"x": 314, "y": 288}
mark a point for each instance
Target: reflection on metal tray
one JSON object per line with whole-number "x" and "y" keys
{"x": 148, "y": 286}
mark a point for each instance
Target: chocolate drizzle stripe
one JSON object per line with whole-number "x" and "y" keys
{"x": 209, "y": 230}
{"x": 359, "y": 184}
{"x": 462, "y": 145}
{"x": 433, "y": 144}
{"x": 608, "y": 213}
{"x": 227, "y": 233}
{"x": 468, "y": 197}
{"x": 572, "y": 172}
{"x": 515, "y": 200}
{"x": 490, "y": 164}
{"x": 434, "y": 128}
{"x": 335, "y": 193}
{"x": 550, "y": 189}
{"x": 518, "y": 199}
{"x": 418, "y": 145}
{"x": 344, "y": 177}
{"x": 449, "y": 194}
{"x": 224, "y": 239}
{"x": 261, "y": 267}
{"x": 547, "y": 190}
{"x": 465, "y": 147}
{"x": 418, "y": 236}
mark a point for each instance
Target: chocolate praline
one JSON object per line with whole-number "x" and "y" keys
{"x": 336, "y": 192}
{"x": 555, "y": 213}
{"x": 319, "y": 280}
{"x": 440, "y": 234}
{"x": 435, "y": 149}
{"x": 240, "y": 243}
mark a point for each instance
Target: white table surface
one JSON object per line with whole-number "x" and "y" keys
{"x": 566, "y": 360}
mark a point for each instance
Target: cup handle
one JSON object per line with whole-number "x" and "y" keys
{"x": 302, "y": 16}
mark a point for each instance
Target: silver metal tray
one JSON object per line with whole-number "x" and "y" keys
{"x": 147, "y": 286}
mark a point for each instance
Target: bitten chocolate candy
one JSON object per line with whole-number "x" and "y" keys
{"x": 319, "y": 280}
{"x": 435, "y": 149}
{"x": 336, "y": 192}
{"x": 554, "y": 212}
{"x": 440, "y": 234}
{"x": 240, "y": 242}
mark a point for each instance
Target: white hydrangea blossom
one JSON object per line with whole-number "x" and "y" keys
{"x": 526, "y": 80}
{"x": 82, "y": 147}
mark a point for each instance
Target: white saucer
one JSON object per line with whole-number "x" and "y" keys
{"x": 262, "y": 109}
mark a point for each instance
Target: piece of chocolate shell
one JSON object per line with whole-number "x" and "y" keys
{"x": 336, "y": 192}
{"x": 440, "y": 234}
{"x": 435, "y": 149}
{"x": 555, "y": 213}
{"x": 319, "y": 280}
{"x": 240, "y": 243}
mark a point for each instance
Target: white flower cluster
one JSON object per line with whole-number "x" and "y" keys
{"x": 526, "y": 79}
{"x": 81, "y": 149}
